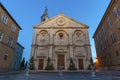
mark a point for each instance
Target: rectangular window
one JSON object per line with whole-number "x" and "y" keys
{"x": 1, "y": 36}
{"x": 113, "y": 36}
{"x": 119, "y": 27}
{"x": 4, "y": 19}
{"x": 117, "y": 11}
{"x": 109, "y": 21}
{"x": 117, "y": 53}
{"x": 13, "y": 28}
{"x": 5, "y": 57}
{"x": 9, "y": 42}
{"x": 107, "y": 41}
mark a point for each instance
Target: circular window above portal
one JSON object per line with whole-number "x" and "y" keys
{"x": 60, "y": 21}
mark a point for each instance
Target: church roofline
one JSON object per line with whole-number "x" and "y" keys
{"x": 64, "y": 16}
{"x": 74, "y": 20}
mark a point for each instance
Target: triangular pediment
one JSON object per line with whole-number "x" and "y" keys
{"x": 61, "y": 21}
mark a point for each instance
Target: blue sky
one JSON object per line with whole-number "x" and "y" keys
{"x": 28, "y": 12}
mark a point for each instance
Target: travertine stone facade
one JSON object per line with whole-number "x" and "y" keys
{"x": 61, "y": 38}
{"x": 8, "y": 38}
{"x": 107, "y": 38}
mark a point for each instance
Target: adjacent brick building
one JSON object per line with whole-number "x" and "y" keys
{"x": 107, "y": 38}
{"x": 9, "y": 31}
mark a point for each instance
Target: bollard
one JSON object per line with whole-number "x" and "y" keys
{"x": 60, "y": 73}
{"x": 93, "y": 74}
{"x": 27, "y": 72}
{"x": 60, "y": 70}
{"x": 92, "y": 71}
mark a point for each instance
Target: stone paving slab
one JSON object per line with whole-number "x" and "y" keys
{"x": 57, "y": 76}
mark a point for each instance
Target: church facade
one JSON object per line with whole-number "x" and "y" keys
{"x": 62, "y": 40}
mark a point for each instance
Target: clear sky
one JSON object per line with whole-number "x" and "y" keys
{"x": 27, "y": 13}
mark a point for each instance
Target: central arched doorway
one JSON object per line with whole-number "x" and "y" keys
{"x": 60, "y": 61}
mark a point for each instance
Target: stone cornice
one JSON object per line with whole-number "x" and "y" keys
{"x": 60, "y": 28}
{"x": 35, "y": 45}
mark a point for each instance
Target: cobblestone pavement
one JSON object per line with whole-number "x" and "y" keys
{"x": 59, "y": 76}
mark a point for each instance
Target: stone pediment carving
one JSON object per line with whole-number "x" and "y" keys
{"x": 61, "y": 21}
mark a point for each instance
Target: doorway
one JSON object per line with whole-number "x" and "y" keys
{"x": 40, "y": 66}
{"x": 80, "y": 62}
{"x": 60, "y": 61}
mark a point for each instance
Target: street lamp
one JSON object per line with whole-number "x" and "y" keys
{"x": 96, "y": 60}
{"x": 96, "y": 63}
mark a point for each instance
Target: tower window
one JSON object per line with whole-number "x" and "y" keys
{"x": 44, "y": 19}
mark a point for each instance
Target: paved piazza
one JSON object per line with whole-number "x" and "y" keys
{"x": 58, "y": 76}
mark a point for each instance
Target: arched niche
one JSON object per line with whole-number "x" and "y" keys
{"x": 61, "y": 37}
{"x": 43, "y": 37}
{"x": 78, "y": 37}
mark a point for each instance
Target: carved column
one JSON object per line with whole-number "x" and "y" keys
{"x": 50, "y": 43}
{"x": 50, "y": 51}
{"x": 71, "y": 51}
{"x": 71, "y": 45}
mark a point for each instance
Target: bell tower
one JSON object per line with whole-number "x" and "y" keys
{"x": 45, "y": 17}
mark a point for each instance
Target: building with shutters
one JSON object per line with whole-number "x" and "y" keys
{"x": 9, "y": 31}
{"x": 107, "y": 38}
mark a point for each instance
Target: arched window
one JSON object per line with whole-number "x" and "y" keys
{"x": 61, "y": 35}
{"x": 43, "y": 35}
{"x": 78, "y": 34}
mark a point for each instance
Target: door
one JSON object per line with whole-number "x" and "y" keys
{"x": 80, "y": 61}
{"x": 40, "y": 66}
{"x": 60, "y": 61}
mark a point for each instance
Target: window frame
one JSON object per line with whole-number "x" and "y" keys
{"x": 110, "y": 22}
{"x": 1, "y": 36}
{"x": 116, "y": 11}
{"x": 13, "y": 28}
{"x": 4, "y": 19}
{"x": 5, "y": 57}
{"x": 9, "y": 42}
